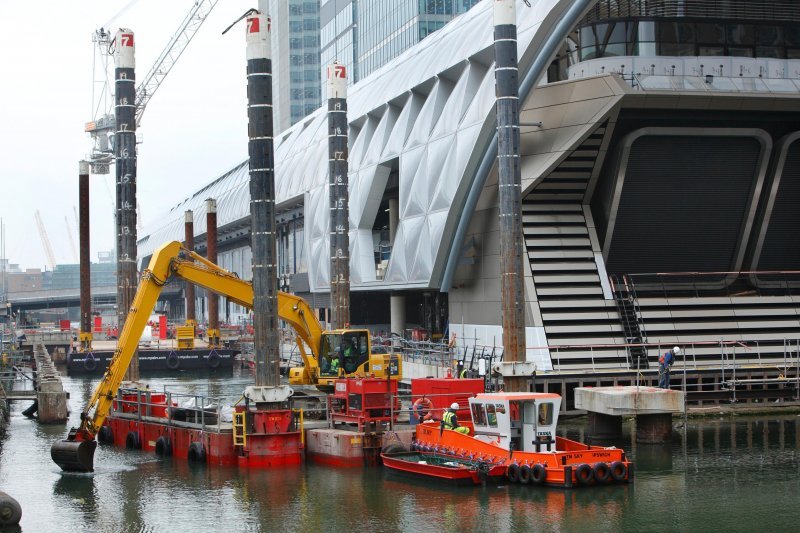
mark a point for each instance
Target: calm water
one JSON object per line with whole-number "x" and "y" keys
{"x": 735, "y": 474}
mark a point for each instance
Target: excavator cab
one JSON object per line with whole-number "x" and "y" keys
{"x": 344, "y": 351}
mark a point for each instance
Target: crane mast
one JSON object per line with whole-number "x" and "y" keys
{"x": 103, "y": 125}
{"x": 48, "y": 249}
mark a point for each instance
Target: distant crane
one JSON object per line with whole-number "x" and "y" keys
{"x": 102, "y": 126}
{"x": 48, "y": 249}
{"x": 71, "y": 240}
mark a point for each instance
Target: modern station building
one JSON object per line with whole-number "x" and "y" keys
{"x": 660, "y": 145}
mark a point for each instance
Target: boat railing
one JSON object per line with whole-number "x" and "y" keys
{"x": 204, "y": 411}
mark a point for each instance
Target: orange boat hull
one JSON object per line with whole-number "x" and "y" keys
{"x": 574, "y": 464}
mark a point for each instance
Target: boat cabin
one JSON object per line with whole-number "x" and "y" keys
{"x": 518, "y": 421}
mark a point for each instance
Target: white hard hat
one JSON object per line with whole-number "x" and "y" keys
{"x": 454, "y": 405}
{"x": 676, "y": 349}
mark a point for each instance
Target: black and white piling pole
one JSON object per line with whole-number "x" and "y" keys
{"x": 510, "y": 193}
{"x": 262, "y": 203}
{"x": 125, "y": 162}
{"x": 338, "y": 196}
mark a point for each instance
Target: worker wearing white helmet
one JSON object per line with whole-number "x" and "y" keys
{"x": 665, "y": 362}
{"x": 450, "y": 419}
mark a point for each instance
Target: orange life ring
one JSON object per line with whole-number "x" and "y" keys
{"x": 422, "y": 406}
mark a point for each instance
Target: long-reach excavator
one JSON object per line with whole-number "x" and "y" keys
{"x": 334, "y": 353}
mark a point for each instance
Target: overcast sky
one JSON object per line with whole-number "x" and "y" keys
{"x": 194, "y": 128}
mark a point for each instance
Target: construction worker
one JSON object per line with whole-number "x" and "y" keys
{"x": 450, "y": 419}
{"x": 665, "y": 361}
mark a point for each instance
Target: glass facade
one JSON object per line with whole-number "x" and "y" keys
{"x": 296, "y": 37}
{"x": 684, "y": 37}
{"x": 364, "y": 35}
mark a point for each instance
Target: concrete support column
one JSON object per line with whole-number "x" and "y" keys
{"x": 604, "y": 427}
{"x": 394, "y": 218}
{"x": 654, "y": 429}
{"x": 397, "y": 307}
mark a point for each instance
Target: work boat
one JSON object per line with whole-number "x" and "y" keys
{"x": 518, "y": 430}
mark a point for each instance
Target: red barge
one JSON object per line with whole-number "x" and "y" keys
{"x": 517, "y": 430}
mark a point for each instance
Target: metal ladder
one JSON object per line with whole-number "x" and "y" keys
{"x": 239, "y": 429}
{"x": 629, "y": 315}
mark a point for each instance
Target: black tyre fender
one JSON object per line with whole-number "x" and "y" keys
{"x": 132, "y": 441}
{"x": 197, "y": 453}
{"x": 213, "y": 360}
{"x": 525, "y": 474}
{"x": 619, "y": 471}
{"x": 105, "y": 435}
{"x": 602, "y": 473}
{"x": 89, "y": 363}
{"x": 512, "y": 473}
{"x": 10, "y": 510}
{"x": 163, "y": 446}
{"x": 538, "y": 474}
{"x": 173, "y": 361}
{"x": 583, "y": 473}
{"x": 394, "y": 447}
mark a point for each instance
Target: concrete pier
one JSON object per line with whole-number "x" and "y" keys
{"x": 50, "y": 395}
{"x": 652, "y": 407}
{"x": 341, "y": 447}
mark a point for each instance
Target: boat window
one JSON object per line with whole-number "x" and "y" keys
{"x": 545, "y": 414}
{"x": 491, "y": 416}
{"x": 478, "y": 414}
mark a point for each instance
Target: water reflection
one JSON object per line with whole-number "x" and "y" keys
{"x": 720, "y": 473}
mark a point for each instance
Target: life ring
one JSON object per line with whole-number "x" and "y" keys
{"x": 512, "y": 473}
{"x": 619, "y": 471}
{"x": 105, "y": 435}
{"x": 422, "y": 406}
{"x": 525, "y": 474}
{"x": 173, "y": 361}
{"x": 132, "y": 441}
{"x": 538, "y": 474}
{"x": 163, "y": 446}
{"x": 89, "y": 362}
{"x": 197, "y": 453}
{"x": 583, "y": 474}
{"x": 213, "y": 359}
{"x": 602, "y": 473}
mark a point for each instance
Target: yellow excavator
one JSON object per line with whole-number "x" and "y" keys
{"x": 333, "y": 354}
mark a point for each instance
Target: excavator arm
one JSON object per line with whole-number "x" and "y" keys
{"x": 76, "y": 452}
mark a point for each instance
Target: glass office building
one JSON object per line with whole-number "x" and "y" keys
{"x": 296, "y": 60}
{"x": 364, "y": 35}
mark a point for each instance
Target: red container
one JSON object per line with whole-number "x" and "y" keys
{"x": 98, "y": 324}
{"x": 444, "y": 391}
{"x": 162, "y": 327}
{"x": 64, "y": 325}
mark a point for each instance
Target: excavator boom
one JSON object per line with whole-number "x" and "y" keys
{"x": 76, "y": 452}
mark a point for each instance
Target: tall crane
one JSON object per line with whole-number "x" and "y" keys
{"x": 71, "y": 240}
{"x": 48, "y": 249}
{"x": 102, "y": 126}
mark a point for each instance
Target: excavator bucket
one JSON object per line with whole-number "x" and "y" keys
{"x": 74, "y": 455}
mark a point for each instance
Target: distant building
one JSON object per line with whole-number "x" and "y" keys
{"x": 364, "y": 35}
{"x": 295, "y": 60}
